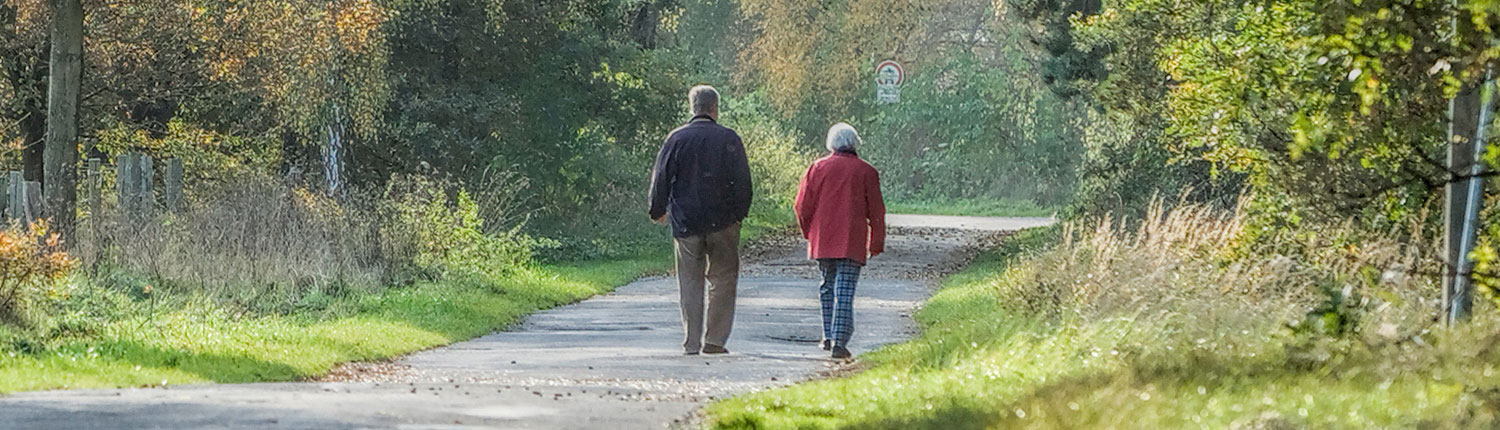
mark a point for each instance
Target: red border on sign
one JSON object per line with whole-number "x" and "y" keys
{"x": 900, "y": 72}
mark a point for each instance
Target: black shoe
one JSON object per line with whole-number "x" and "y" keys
{"x": 826, "y": 344}
{"x": 840, "y": 352}
{"x": 714, "y": 349}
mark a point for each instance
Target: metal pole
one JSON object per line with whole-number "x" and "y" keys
{"x": 1459, "y": 293}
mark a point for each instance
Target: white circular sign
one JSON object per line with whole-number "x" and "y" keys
{"x": 889, "y": 73}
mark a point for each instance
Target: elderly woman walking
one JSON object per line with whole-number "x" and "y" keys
{"x": 842, "y": 215}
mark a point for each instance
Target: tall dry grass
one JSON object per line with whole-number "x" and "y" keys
{"x": 1191, "y": 275}
{"x": 267, "y": 245}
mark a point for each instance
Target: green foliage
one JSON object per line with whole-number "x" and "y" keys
{"x": 976, "y": 119}
{"x": 1340, "y": 107}
{"x": 553, "y": 92}
{"x": 966, "y": 129}
{"x": 777, "y": 160}
{"x": 429, "y": 235}
{"x": 1124, "y": 167}
{"x": 1067, "y": 66}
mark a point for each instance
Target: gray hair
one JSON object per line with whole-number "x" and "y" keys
{"x": 704, "y": 100}
{"x": 842, "y": 137}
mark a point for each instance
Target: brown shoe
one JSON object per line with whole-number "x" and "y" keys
{"x": 841, "y": 353}
{"x": 714, "y": 349}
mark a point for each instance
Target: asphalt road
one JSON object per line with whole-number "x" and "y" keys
{"x": 611, "y": 362}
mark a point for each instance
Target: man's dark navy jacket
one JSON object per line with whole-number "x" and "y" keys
{"x": 702, "y": 179}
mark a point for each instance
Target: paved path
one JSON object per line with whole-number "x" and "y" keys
{"x": 611, "y": 362}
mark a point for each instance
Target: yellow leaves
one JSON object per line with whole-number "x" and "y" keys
{"x": 29, "y": 12}
{"x": 355, "y": 23}
{"x": 299, "y": 56}
{"x": 30, "y": 256}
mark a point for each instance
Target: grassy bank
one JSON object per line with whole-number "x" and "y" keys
{"x": 1162, "y": 327}
{"x": 967, "y": 207}
{"x": 185, "y": 339}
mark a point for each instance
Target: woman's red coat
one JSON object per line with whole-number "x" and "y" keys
{"x": 840, "y": 209}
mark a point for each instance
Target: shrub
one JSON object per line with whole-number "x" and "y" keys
{"x": 777, "y": 162}
{"x": 432, "y": 236}
{"x": 30, "y": 260}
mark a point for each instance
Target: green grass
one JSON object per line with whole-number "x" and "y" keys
{"x": 190, "y": 340}
{"x": 969, "y": 207}
{"x": 978, "y": 365}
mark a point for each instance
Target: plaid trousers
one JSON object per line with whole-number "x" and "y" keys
{"x": 837, "y": 293}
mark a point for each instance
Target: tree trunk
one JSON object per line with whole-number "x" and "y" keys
{"x": 65, "y": 78}
{"x": 644, "y": 26}
{"x": 34, "y": 132}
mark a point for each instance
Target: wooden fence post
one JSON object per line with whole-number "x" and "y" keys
{"x": 33, "y": 202}
{"x": 4, "y": 194}
{"x": 146, "y": 194}
{"x": 125, "y": 184}
{"x": 16, "y": 203}
{"x": 92, "y": 181}
{"x": 173, "y": 184}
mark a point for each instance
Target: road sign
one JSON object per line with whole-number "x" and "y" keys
{"x": 888, "y": 79}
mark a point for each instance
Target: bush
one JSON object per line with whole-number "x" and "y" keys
{"x": 777, "y": 161}
{"x": 433, "y": 237}
{"x": 31, "y": 259}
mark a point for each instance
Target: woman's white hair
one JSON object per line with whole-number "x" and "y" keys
{"x": 842, "y": 137}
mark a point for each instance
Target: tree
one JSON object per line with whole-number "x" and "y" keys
{"x": 813, "y": 59}
{"x": 64, "y": 81}
{"x": 23, "y": 79}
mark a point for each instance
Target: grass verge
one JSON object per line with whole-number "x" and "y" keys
{"x": 902, "y": 380}
{"x": 190, "y": 340}
{"x": 1162, "y": 328}
{"x": 969, "y": 207}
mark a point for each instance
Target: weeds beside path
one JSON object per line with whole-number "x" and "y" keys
{"x": 195, "y": 342}
{"x": 1162, "y": 326}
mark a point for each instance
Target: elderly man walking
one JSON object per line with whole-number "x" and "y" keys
{"x": 842, "y": 215}
{"x": 702, "y": 183}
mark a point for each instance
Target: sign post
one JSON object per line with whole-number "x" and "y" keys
{"x": 888, "y": 78}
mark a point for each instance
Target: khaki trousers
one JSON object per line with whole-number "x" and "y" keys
{"x": 714, "y": 257}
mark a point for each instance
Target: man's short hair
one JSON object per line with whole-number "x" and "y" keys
{"x": 842, "y": 137}
{"x": 704, "y": 100}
